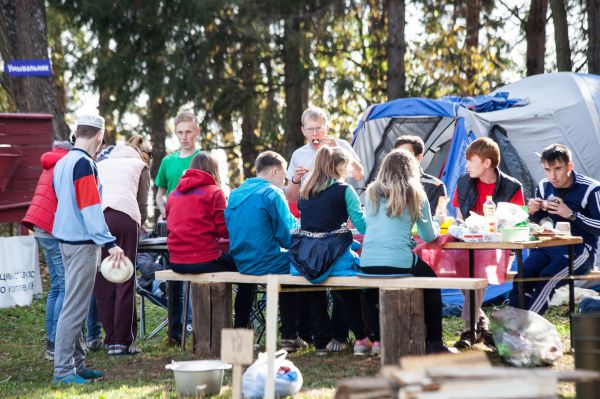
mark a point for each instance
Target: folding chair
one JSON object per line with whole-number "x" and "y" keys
{"x": 160, "y": 302}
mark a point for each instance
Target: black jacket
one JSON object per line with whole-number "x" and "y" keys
{"x": 434, "y": 189}
{"x": 506, "y": 188}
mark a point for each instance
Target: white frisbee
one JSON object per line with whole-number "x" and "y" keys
{"x": 116, "y": 274}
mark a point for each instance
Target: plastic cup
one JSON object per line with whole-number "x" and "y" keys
{"x": 563, "y": 227}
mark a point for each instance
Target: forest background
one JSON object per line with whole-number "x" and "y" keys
{"x": 249, "y": 68}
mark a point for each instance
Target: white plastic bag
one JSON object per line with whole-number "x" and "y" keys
{"x": 288, "y": 379}
{"x": 509, "y": 214}
{"x": 524, "y": 338}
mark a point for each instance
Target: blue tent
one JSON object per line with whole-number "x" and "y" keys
{"x": 522, "y": 118}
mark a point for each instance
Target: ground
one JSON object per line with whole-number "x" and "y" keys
{"x": 24, "y": 373}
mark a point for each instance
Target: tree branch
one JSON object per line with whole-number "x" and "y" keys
{"x": 513, "y": 12}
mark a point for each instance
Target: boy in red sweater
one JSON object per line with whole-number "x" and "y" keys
{"x": 483, "y": 178}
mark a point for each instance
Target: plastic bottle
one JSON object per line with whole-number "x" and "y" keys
{"x": 489, "y": 211}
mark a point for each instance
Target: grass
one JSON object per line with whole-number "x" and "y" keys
{"x": 24, "y": 373}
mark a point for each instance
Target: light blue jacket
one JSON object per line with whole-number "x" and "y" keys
{"x": 259, "y": 222}
{"x": 388, "y": 240}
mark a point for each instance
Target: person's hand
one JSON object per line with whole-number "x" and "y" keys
{"x": 534, "y": 205}
{"x": 329, "y": 141}
{"x": 117, "y": 256}
{"x": 558, "y": 207}
{"x": 299, "y": 172}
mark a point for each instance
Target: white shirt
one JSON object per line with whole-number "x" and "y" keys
{"x": 305, "y": 157}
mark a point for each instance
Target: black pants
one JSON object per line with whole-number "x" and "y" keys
{"x": 339, "y": 324}
{"x": 432, "y": 298}
{"x": 288, "y": 310}
{"x": 349, "y": 302}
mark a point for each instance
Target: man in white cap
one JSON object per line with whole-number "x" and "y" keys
{"x": 80, "y": 227}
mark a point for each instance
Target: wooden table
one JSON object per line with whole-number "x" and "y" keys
{"x": 518, "y": 247}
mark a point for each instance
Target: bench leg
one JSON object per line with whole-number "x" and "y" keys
{"x": 211, "y": 312}
{"x": 272, "y": 306}
{"x": 402, "y": 324}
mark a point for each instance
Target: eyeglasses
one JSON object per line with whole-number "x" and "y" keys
{"x": 314, "y": 129}
{"x": 147, "y": 153}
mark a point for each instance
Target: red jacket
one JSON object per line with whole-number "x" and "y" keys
{"x": 43, "y": 204}
{"x": 195, "y": 219}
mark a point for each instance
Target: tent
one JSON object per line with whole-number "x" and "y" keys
{"x": 553, "y": 108}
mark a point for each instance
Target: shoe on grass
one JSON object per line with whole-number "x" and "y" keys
{"x": 70, "y": 379}
{"x": 376, "y": 348}
{"x": 96, "y": 345}
{"x": 438, "y": 347}
{"x": 362, "y": 347}
{"x": 465, "y": 341}
{"x": 90, "y": 374}
{"x": 336, "y": 346}
{"x": 293, "y": 345}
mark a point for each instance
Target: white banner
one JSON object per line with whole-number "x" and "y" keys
{"x": 19, "y": 271}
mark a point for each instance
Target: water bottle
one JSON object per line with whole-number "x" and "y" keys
{"x": 489, "y": 211}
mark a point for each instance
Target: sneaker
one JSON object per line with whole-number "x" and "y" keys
{"x": 90, "y": 374}
{"x": 362, "y": 346}
{"x": 122, "y": 350}
{"x": 336, "y": 346}
{"x": 96, "y": 345}
{"x": 69, "y": 379}
{"x": 49, "y": 354}
{"x": 465, "y": 341}
{"x": 188, "y": 329}
{"x": 293, "y": 345}
{"x": 484, "y": 334}
{"x": 376, "y": 348}
{"x": 438, "y": 347}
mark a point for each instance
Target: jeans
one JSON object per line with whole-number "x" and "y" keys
{"x": 56, "y": 294}
{"x": 94, "y": 328}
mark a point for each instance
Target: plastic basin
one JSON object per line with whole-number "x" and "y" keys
{"x": 191, "y": 374}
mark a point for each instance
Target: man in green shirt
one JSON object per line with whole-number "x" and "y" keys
{"x": 171, "y": 169}
{"x": 174, "y": 166}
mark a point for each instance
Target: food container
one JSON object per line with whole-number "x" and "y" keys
{"x": 191, "y": 374}
{"x": 515, "y": 234}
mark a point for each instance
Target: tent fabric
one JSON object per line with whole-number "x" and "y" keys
{"x": 485, "y": 103}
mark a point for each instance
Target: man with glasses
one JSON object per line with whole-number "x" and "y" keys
{"x": 314, "y": 128}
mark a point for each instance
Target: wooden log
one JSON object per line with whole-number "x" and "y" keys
{"x": 211, "y": 312}
{"x": 402, "y": 324}
{"x": 364, "y": 388}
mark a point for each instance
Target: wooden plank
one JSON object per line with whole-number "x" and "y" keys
{"x": 220, "y": 309}
{"x": 482, "y": 373}
{"x": 402, "y": 282}
{"x": 401, "y": 336}
{"x": 364, "y": 387}
{"x": 465, "y": 359}
{"x": 272, "y": 306}
{"x": 540, "y": 243}
{"x": 201, "y": 320}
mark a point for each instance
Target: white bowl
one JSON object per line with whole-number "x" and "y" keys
{"x": 116, "y": 274}
{"x": 191, "y": 374}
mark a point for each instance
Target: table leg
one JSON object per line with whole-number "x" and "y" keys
{"x": 186, "y": 300}
{"x": 520, "y": 283}
{"x": 571, "y": 293}
{"x": 272, "y": 305}
{"x": 472, "y": 296}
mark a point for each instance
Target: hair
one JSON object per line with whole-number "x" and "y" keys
{"x": 206, "y": 163}
{"x": 485, "y": 148}
{"x": 86, "y": 132}
{"x": 416, "y": 143}
{"x": 269, "y": 159}
{"x": 556, "y": 152}
{"x": 142, "y": 146}
{"x": 314, "y": 113}
{"x": 186, "y": 116}
{"x": 398, "y": 181}
{"x": 63, "y": 145}
{"x": 326, "y": 162}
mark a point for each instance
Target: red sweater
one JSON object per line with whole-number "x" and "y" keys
{"x": 195, "y": 219}
{"x": 43, "y": 204}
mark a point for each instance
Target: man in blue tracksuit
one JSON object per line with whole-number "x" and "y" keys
{"x": 259, "y": 222}
{"x": 563, "y": 196}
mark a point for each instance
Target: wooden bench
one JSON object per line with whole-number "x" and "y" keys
{"x": 401, "y": 306}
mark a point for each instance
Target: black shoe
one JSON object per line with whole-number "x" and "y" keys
{"x": 486, "y": 338}
{"x": 438, "y": 347}
{"x": 465, "y": 341}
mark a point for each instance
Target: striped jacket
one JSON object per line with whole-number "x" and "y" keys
{"x": 583, "y": 197}
{"x": 79, "y": 218}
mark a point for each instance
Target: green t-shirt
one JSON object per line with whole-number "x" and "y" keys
{"x": 171, "y": 169}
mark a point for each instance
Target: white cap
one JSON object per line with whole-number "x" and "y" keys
{"x": 91, "y": 120}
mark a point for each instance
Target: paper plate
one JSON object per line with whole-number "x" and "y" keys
{"x": 116, "y": 274}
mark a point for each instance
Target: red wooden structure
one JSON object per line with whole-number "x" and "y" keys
{"x": 23, "y": 139}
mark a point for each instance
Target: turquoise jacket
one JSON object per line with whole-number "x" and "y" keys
{"x": 259, "y": 222}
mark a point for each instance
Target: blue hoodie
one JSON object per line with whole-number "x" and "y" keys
{"x": 259, "y": 222}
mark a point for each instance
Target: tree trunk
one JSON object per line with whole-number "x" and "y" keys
{"x": 561, "y": 35}
{"x": 535, "y": 34}
{"x": 295, "y": 83}
{"x": 473, "y": 13}
{"x": 593, "y": 10}
{"x": 249, "y": 144}
{"x": 105, "y": 104}
{"x": 233, "y": 158}
{"x": 23, "y": 35}
{"x": 396, "y": 77}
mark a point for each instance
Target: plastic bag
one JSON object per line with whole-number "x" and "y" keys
{"x": 524, "y": 338}
{"x": 509, "y": 214}
{"x": 561, "y": 295}
{"x": 288, "y": 379}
